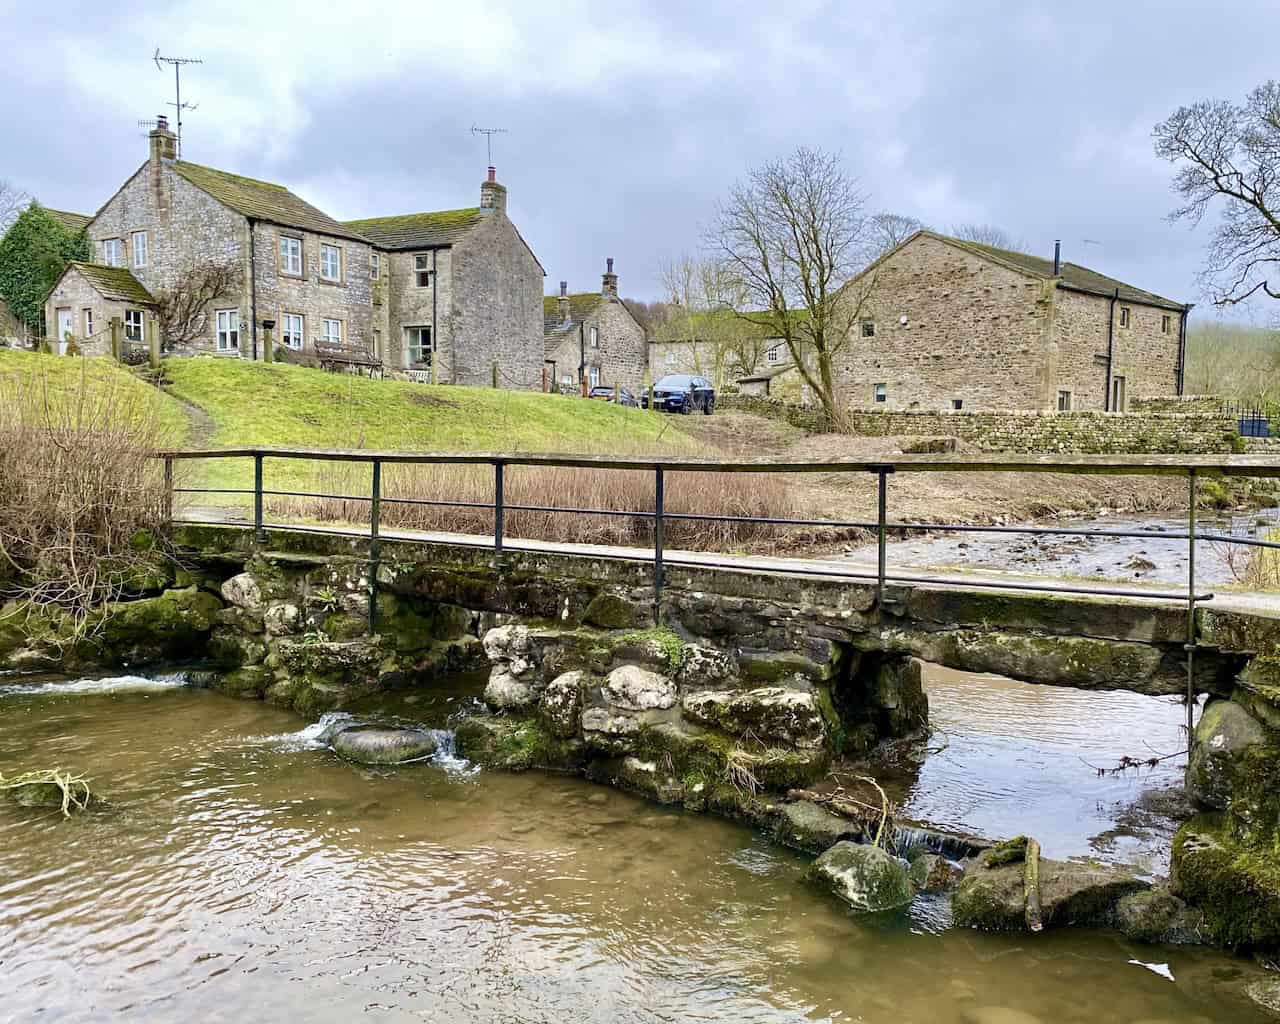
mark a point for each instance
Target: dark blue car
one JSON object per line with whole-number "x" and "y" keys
{"x": 684, "y": 393}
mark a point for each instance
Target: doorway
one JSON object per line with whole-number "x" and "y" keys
{"x": 1117, "y": 394}
{"x": 64, "y": 329}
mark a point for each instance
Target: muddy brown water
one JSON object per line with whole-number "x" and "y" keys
{"x": 242, "y": 872}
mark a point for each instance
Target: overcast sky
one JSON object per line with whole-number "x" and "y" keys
{"x": 626, "y": 121}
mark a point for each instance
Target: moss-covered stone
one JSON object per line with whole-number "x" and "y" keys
{"x": 1236, "y": 885}
{"x": 609, "y": 611}
{"x": 516, "y": 744}
{"x": 658, "y": 647}
{"x": 778, "y": 666}
{"x": 171, "y": 627}
{"x": 806, "y": 826}
{"x": 866, "y": 877}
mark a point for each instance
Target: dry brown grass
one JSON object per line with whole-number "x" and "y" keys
{"x": 619, "y": 491}
{"x": 82, "y": 502}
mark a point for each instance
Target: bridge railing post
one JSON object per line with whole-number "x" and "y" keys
{"x": 375, "y": 517}
{"x": 882, "y": 532}
{"x": 499, "y": 506}
{"x": 168, "y": 489}
{"x": 659, "y": 499}
{"x": 258, "y": 533}
{"x": 1191, "y": 604}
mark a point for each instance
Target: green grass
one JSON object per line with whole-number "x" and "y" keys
{"x": 63, "y": 383}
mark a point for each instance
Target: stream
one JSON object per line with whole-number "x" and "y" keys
{"x": 240, "y": 871}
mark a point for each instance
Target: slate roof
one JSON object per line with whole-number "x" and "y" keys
{"x": 417, "y": 230}
{"x": 581, "y": 306}
{"x": 116, "y": 283}
{"x": 1074, "y": 276}
{"x": 262, "y": 200}
{"x": 71, "y": 221}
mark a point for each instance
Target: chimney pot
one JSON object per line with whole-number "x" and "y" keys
{"x": 493, "y": 173}
{"x": 1057, "y": 256}
{"x": 609, "y": 280}
{"x": 492, "y": 195}
{"x": 564, "y": 287}
{"x": 163, "y": 143}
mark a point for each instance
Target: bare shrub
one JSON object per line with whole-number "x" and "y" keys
{"x": 82, "y": 502}
{"x": 1256, "y": 568}
{"x": 537, "y": 488}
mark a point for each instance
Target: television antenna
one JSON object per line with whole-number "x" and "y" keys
{"x": 488, "y": 134}
{"x": 177, "y": 104}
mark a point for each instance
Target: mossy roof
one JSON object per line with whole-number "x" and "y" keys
{"x": 1073, "y": 275}
{"x": 418, "y": 230}
{"x": 262, "y": 200}
{"x": 115, "y": 283}
{"x": 581, "y": 306}
{"x": 71, "y": 221}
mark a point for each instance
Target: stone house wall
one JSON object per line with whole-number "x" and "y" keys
{"x": 74, "y": 292}
{"x": 407, "y": 305}
{"x": 621, "y": 356}
{"x": 495, "y": 309}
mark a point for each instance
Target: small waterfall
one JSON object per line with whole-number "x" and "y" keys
{"x": 111, "y": 684}
{"x": 907, "y": 841}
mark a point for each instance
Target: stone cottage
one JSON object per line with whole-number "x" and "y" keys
{"x": 593, "y": 337}
{"x": 952, "y": 324}
{"x": 456, "y": 294}
{"x": 87, "y": 297}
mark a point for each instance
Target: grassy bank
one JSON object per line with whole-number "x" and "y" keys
{"x": 1233, "y": 360}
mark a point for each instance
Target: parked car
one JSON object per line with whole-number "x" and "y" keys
{"x": 684, "y": 393}
{"x": 605, "y": 394}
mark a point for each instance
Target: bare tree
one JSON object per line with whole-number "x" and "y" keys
{"x": 703, "y": 302}
{"x": 888, "y": 230}
{"x": 793, "y": 234}
{"x": 1231, "y": 153}
{"x": 12, "y": 202}
{"x": 183, "y": 308}
{"x": 988, "y": 234}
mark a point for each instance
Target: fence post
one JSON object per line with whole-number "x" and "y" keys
{"x": 153, "y": 324}
{"x": 115, "y": 338}
{"x": 652, "y": 407}
{"x": 1191, "y": 605}
{"x": 258, "y": 532}
{"x": 268, "y": 354}
{"x": 882, "y": 533}
{"x": 168, "y": 489}
{"x": 375, "y": 517}
{"x": 658, "y": 502}
{"x": 497, "y": 506}
{"x": 493, "y": 373}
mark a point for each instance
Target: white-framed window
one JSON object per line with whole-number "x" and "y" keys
{"x": 291, "y": 255}
{"x": 593, "y": 376}
{"x": 422, "y": 270}
{"x": 331, "y": 331}
{"x": 418, "y": 342}
{"x": 773, "y": 355}
{"x": 594, "y": 336}
{"x": 112, "y": 254}
{"x": 291, "y": 330}
{"x": 1064, "y": 401}
{"x": 330, "y": 263}
{"x": 880, "y": 392}
{"x": 133, "y": 325}
{"x": 88, "y": 322}
{"x": 566, "y": 382}
{"x": 227, "y": 329}
{"x": 375, "y": 266}
{"x": 868, "y": 328}
{"x": 139, "y": 239}
{"x": 1124, "y": 316}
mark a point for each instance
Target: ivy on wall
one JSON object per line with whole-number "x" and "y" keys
{"x": 33, "y": 254}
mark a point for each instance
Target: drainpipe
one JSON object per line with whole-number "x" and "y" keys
{"x": 1182, "y": 349}
{"x": 253, "y": 290}
{"x": 582, "y": 353}
{"x": 1111, "y": 337}
{"x": 435, "y": 326}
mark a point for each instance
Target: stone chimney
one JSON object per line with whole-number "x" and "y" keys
{"x": 492, "y": 195}
{"x": 164, "y": 144}
{"x": 609, "y": 280}
{"x": 562, "y": 303}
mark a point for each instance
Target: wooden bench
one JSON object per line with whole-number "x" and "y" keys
{"x": 347, "y": 357}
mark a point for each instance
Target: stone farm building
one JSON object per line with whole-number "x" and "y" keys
{"x": 592, "y": 337}
{"x": 449, "y": 295}
{"x": 951, "y": 324}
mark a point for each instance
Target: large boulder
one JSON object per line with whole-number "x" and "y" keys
{"x": 771, "y": 713}
{"x": 377, "y": 746}
{"x": 1223, "y": 738}
{"x": 610, "y": 731}
{"x": 561, "y": 703}
{"x": 933, "y": 873}
{"x": 633, "y": 688}
{"x": 1236, "y": 884}
{"x": 1158, "y": 916}
{"x": 511, "y": 646}
{"x": 864, "y": 876}
{"x": 504, "y": 692}
{"x": 807, "y": 826}
{"x": 242, "y": 591}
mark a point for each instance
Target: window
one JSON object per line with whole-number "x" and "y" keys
{"x": 880, "y": 392}
{"x": 868, "y": 328}
{"x": 1124, "y": 316}
{"x": 1064, "y": 401}
{"x": 418, "y": 341}
{"x": 133, "y": 329}
{"x": 375, "y": 266}
{"x": 957, "y": 403}
{"x": 331, "y": 332}
{"x": 227, "y": 324}
{"x": 291, "y": 330}
{"x": 111, "y": 254}
{"x": 422, "y": 270}
{"x": 671, "y": 359}
{"x": 139, "y": 248}
{"x": 594, "y": 335}
{"x": 1165, "y": 322}
{"x": 773, "y": 355}
{"x": 88, "y": 323}
{"x": 330, "y": 263}
{"x": 291, "y": 256}
{"x": 1117, "y": 394}
{"x": 594, "y": 376}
